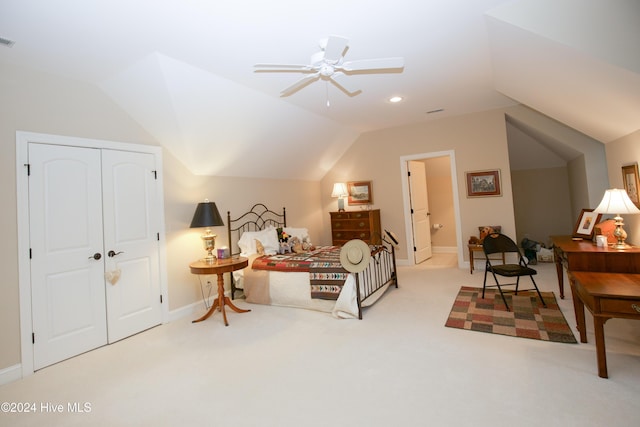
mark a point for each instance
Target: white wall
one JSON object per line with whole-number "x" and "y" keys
{"x": 42, "y": 103}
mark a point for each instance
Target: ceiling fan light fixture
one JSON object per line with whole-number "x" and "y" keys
{"x": 329, "y": 65}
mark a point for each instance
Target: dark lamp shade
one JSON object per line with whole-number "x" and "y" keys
{"x": 206, "y": 215}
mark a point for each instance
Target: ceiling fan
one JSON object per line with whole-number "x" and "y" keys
{"x": 329, "y": 65}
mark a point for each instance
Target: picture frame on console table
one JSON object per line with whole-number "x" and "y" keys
{"x": 586, "y": 224}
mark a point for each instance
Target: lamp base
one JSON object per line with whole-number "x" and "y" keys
{"x": 620, "y": 235}
{"x": 340, "y": 204}
{"x": 621, "y": 246}
{"x": 209, "y": 243}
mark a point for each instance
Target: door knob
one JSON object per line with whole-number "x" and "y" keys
{"x": 96, "y": 256}
{"x": 111, "y": 254}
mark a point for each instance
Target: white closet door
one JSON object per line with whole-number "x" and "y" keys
{"x": 131, "y": 242}
{"x": 67, "y": 265}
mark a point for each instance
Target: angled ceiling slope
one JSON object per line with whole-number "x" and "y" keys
{"x": 575, "y": 61}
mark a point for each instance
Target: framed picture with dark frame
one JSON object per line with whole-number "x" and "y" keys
{"x": 483, "y": 183}
{"x": 360, "y": 192}
{"x": 630, "y": 179}
{"x": 586, "y": 224}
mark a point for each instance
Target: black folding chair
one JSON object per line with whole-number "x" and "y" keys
{"x": 499, "y": 243}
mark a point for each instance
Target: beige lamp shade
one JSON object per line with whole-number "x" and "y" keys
{"x": 339, "y": 190}
{"x": 616, "y": 201}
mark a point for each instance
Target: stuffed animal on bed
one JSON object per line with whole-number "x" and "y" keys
{"x": 285, "y": 247}
{"x": 296, "y": 245}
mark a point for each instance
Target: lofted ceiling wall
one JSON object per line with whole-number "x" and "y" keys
{"x": 184, "y": 69}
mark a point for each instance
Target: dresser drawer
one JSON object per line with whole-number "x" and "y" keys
{"x": 349, "y": 225}
{"x": 350, "y": 235}
{"x": 622, "y": 306}
{"x": 350, "y": 215}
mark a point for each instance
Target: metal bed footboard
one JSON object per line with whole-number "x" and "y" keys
{"x": 380, "y": 273}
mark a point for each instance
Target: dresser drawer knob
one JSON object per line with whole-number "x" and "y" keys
{"x": 362, "y": 224}
{"x": 636, "y": 307}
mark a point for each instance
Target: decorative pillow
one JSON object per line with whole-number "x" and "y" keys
{"x": 259, "y": 248}
{"x": 300, "y": 233}
{"x": 606, "y": 228}
{"x": 267, "y": 237}
{"x": 485, "y": 230}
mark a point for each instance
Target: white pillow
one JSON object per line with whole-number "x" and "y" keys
{"x": 300, "y": 233}
{"x": 268, "y": 237}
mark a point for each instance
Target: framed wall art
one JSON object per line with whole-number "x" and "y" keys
{"x": 360, "y": 192}
{"x": 586, "y": 223}
{"x": 483, "y": 183}
{"x": 630, "y": 179}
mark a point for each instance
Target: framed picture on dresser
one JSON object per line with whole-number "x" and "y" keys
{"x": 360, "y": 192}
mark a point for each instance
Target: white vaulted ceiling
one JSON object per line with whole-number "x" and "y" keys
{"x": 183, "y": 69}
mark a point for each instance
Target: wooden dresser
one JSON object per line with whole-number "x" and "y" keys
{"x": 363, "y": 225}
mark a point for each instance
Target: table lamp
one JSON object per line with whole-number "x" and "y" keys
{"x": 207, "y": 215}
{"x": 340, "y": 191}
{"x": 616, "y": 201}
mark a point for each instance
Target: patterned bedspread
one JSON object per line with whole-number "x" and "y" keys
{"x": 326, "y": 275}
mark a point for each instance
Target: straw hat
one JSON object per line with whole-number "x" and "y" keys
{"x": 355, "y": 255}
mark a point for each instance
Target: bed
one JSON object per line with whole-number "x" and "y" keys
{"x": 314, "y": 278}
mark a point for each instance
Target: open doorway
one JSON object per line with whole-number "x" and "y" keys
{"x": 444, "y": 210}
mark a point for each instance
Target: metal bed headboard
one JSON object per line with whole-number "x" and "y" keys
{"x": 256, "y": 219}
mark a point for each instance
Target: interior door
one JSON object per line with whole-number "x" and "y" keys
{"x": 67, "y": 259}
{"x": 420, "y": 220}
{"x": 131, "y": 243}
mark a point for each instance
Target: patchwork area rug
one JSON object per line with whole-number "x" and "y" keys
{"x": 528, "y": 318}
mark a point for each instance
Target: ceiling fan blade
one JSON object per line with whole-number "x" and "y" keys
{"x": 341, "y": 81}
{"x": 283, "y": 67}
{"x": 300, "y": 84}
{"x": 373, "y": 64}
{"x": 335, "y": 48}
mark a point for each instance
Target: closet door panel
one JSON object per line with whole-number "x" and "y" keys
{"x": 67, "y": 261}
{"x": 131, "y": 242}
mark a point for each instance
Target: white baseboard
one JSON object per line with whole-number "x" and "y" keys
{"x": 445, "y": 249}
{"x": 10, "y": 374}
{"x": 187, "y": 310}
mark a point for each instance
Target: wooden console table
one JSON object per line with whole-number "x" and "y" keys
{"x": 606, "y": 295}
{"x": 584, "y": 255}
{"x": 219, "y": 267}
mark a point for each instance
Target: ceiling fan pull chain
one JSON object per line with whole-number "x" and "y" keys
{"x": 326, "y": 87}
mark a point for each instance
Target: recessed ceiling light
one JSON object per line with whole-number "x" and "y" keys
{"x": 395, "y": 99}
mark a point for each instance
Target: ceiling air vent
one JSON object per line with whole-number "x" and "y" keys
{"x": 6, "y": 42}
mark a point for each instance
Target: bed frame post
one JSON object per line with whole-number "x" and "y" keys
{"x": 358, "y": 296}
{"x": 233, "y": 283}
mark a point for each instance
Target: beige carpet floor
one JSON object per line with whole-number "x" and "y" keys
{"x": 400, "y": 366}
